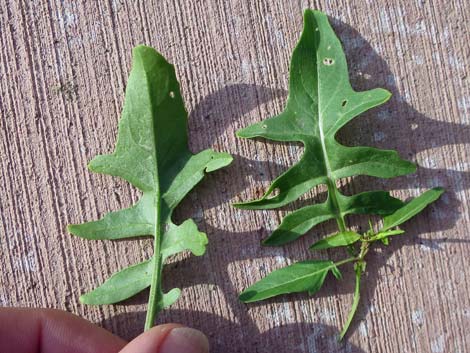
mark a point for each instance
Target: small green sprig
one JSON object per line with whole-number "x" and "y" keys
{"x": 321, "y": 101}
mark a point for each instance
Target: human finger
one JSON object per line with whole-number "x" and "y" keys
{"x": 170, "y": 338}
{"x": 53, "y": 331}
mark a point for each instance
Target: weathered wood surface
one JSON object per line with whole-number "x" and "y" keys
{"x": 63, "y": 69}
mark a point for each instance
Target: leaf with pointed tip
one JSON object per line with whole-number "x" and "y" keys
{"x": 130, "y": 222}
{"x": 412, "y": 208}
{"x": 305, "y": 276}
{"x": 121, "y": 285}
{"x": 338, "y": 239}
{"x": 321, "y": 101}
{"x": 301, "y": 221}
{"x": 385, "y": 234}
{"x": 152, "y": 154}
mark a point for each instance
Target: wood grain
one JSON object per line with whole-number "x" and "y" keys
{"x": 63, "y": 69}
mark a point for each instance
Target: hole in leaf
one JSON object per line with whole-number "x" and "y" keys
{"x": 264, "y": 126}
{"x": 343, "y": 103}
{"x": 274, "y": 193}
{"x": 328, "y": 61}
{"x": 172, "y": 94}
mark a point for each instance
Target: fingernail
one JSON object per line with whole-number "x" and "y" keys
{"x": 185, "y": 340}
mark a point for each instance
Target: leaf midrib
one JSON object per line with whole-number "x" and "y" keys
{"x": 156, "y": 184}
{"x": 331, "y": 181}
{"x": 155, "y": 288}
{"x": 320, "y": 112}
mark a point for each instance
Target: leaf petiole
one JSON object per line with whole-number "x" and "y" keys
{"x": 345, "y": 261}
{"x": 155, "y": 291}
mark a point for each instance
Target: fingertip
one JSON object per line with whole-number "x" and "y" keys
{"x": 185, "y": 339}
{"x": 169, "y": 338}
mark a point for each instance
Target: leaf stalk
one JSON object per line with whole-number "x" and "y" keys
{"x": 332, "y": 189}
{"x": 155, "y": 286}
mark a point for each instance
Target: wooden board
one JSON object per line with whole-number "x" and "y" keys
{"x": 63, "y": 70}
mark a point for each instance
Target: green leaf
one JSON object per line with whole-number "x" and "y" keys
{"x": 321, "y": 101}
{"x": 339, "y": 239}
{"x": 306, "y": 276}
{"x": 121, "y": 285}
{"x": 130, "y": 222}
{"x": 170, "y": 297}
{"x": 184, "y": 237}
{"x": 412, "y": 208}
{"x": 301, "y": 221}
{"x": 152, "y": 154}
{"x": 385, "y": 235}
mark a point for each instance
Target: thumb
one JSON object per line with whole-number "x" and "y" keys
{"x": 169, "y": 338}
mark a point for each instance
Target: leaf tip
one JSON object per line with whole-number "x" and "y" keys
{"x": 386, "y": 94}
{"x": 243, "y": 205}
{"x": 247, "y": 296}
{"x": 143, "y": 49}
{"x": 87, "y": 299}
{"x": 312, "y": 12}
{"x": 255, "y": 130}
{"x": 242, "y": 133}
{"x": 408, "y": 167}
{"x": 257, "y": 204}
{"x": 265, "y": 242}
{"x": 237, "y": 205}
{"x": 439, "y": 189}
{"x": 84, "y": 299}
{"x": 93, "y": 165}
{"x": 270, "y": 241}
{"x": 315, "y": 246}
{"x": 72, "y": 228}
{"x": 219, "y": 160}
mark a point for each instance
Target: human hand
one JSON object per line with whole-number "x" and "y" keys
{"x": 55, "y": 331}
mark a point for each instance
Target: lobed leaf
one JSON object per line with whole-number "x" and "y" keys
{"x": 321, "y": 101}
{"x": 152, "y": 154}
{"x": 306, "y": 276}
